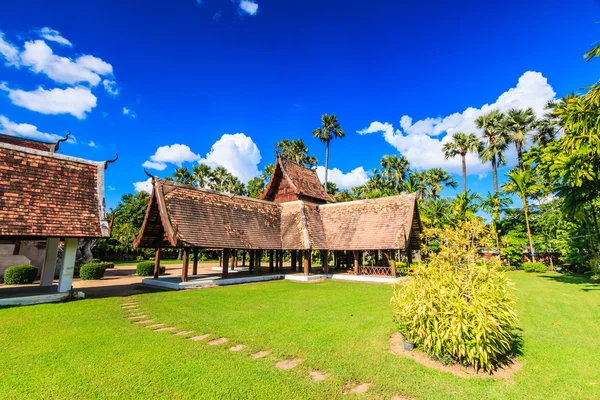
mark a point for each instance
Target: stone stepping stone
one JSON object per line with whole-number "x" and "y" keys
{"x": 136, "y": 317}
{"x": 129, "y": 307}
{"x": 239, "y": 347}
{"x": 182, "y": 333}
{"x": 165, "y": 329}
{"x": 154, "y": 326}
{"x": 146, "y": 321}
{"x": 200, "y": 337}
{"x": 358, "y": 389}
{"x": 318, "y": 376}
{"x": 218, "y": 341}
{"x": 261, "y": 354}
{"x": 288, "y": 364}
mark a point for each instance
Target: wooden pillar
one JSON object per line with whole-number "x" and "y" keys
{"x": 219, "y": 256}
{"x": 195, "y": 265}
{"x": 409, "y": 256}
{"x": 293, "y": 260}
{"x": 306, "y": 262}
{"x": 156, "y": 262}
{"x": 325, "y": 260}
{"x": 257, "y": 258}
{"x": 244, "y": 258}
{"x": 233, "y": 259}
{"x": 186, "y": 264}
{"x": 356, "y": 260}
{"x": 300, "y": 259}
{"x": 270, "y": 260}
{"x": 280, "y": 260}
{"x": 392, "y": 260}
{"x": 251, "y": 261}
{"x": 225, "y": 265}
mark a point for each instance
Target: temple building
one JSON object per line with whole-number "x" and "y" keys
{"x": 47, "y": 198}
{"x": 294, "y": 214}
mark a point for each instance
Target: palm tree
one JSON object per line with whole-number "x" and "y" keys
{"x": 219, "y": 177}
{"x": 462, "y": 143}
{"x": 495, "y": 203}
{"x": 519, "y": 182}
{"x": 518, "y": 123}
{"x": 435, "y": 180}
{"x": 491, "y": 123}
{"x": 268, "y": 172}
{"x": 182, "y": 175}
{"x": 201, "y": 174}
{"x": 329, "y": 130}
{"x": 395, "y": 169}
{"x": 414, "y": 184}
{"x": 466, "y": 204}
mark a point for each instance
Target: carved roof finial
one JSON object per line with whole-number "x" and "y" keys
{"x": 111, "y": 161}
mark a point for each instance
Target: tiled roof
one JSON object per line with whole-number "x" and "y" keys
{"x": 43, "y": 194}
{"x": 302, "y": 184}
{"x": 185, "y": 216}
{"x": 28, "y": 143}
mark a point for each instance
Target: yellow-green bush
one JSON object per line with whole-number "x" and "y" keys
{"x": 455, "y": 306}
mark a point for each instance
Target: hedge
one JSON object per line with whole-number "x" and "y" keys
{"x": 92, "y": 271}
{"x": 534, "y": 266}
{"x": 146, "y": 268}
{"x": 21, "y": 274}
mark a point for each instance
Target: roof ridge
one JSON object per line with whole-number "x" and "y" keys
{"x": 378, "y": 199}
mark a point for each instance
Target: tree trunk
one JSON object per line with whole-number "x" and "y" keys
{"x": 464, "y": 172}
{"x": 326, "y": 163}
{"x": 519, "y": 154}
{"x": 495, "y": 175}
{"x": 526, "y": 210}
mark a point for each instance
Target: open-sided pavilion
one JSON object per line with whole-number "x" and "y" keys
{"x": 294, "y": 214}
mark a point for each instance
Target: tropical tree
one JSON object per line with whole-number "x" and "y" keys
{"x": 201, "y": 174}
{"x": 414, "y": 184}
{"x": 256, "y": 186}
{"x": 461, "y": 144}
{"x": 495, "y": 204}
{"x": 396, "y": 170}
{"x": 297, "y": 151}
{"x": 435, "y": 180}
{"x": 329, "y": 130}
{"x": 182, "y": 175}
{"x": 332, "y": 189}
{"x": 519, "y": 183}
{"x": 496, "y": 144}
{"x": 268, "y": 172}
{"x": 466, "y": 204}
{"x": 518, "y": 123}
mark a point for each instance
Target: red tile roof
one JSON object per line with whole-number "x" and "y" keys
{"x": 28, "y": 143}
{"x": 49, "y": 195}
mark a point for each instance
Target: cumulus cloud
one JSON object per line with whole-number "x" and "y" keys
{"x": 249, "y": 7}
{"x": 54, "y": 36}
{"x": 40, "y": 58}
{"x": 356, "y": 177}
{"x": 143, "y": 186}
{"x": 238, "y": 153}
{"x": 128, "y": 111}
{"x": 159, "y": 166}
{"x": 9, "y": 51}
{"x": 420, "y": 140}
{"x": 8, "y": 127}
{"x": 91, "y": 143}
{"x": 110, "y": 87}
{"x": 76, "y": 101}
{"x": 175, "y": 154}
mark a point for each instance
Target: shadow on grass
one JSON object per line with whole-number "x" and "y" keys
{"x": 575, "y": 279}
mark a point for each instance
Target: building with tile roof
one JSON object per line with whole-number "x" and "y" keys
{"x": 294, "y": 214}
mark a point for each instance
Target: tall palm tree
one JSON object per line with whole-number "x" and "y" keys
{"x": 493, "y": 133}
{"x": 466, "y": 204}
{"x": 219, "y": 177}
{"x": 414, "y": 184}
{"x": 518, "y": 123}
{"x": 201, "y": 174}
{"x": 462, "y": 143}
{"x": 495, "y": 203}
{"x": 329, "y": 130}
{"x": 435, "y": 179}
{"x": 519, "y": 182}
{"x": 395, "y": 169}
{"x": 182, "y": 175}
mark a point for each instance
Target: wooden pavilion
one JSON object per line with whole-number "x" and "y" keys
{"x": 294, "y": 214}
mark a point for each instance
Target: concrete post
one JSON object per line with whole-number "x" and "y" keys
{"x": 65, "y": 280}
{"x": 49, "y": 267}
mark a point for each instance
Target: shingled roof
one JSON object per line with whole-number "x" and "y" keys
{"x": 185, "y": 216}
{"x": 43, "y": 194}
{"x": 291, "y": 181}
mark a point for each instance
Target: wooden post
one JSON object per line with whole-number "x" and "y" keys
{"x": 356, "y": 259}
{"x": 195, "y": 265}
{"x": 392, "y": 260}
{"x": 306, "y": 262}
{"x": 325, "y": 260}
{"x": 409, "y": 256}
{"x": 293, "y": 257}
{"x": 233, "y": 259}
{"x": 270, "y": 260}
{"x": 156, "y": 263}
{"x": 244, "y": 258}
{"x": 257, "y": 257}
{"x": 219, "y": 256}
{"x": 251, "y": 261}
{"x": 280, "y": 260}
{"x": 186, "y": 264}
{"x": 300, "y": 261}
{"x": 225, "y": 265}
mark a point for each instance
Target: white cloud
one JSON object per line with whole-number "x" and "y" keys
{"x": 110, "y": 87}
{"x": 159, "y": 166}
{"x": 356, "y": 177}
{"x": 111, "y": 188}
{"x": 143, "y": 186}
{"x": 92, "y": 144}
{"x": 128, "y": 111}
{"x": 174, "y": 154}
{"x": 238, "y": 153}
{"x": 39, "y": 57}
{"x": 9, "y": 51}
{"x": 417, "y": 140}
{"x": 54, "y": 36}
{"x": 8, "y": 127}
{"x": 249, "y": 6}
{"x": 76, "y": 101}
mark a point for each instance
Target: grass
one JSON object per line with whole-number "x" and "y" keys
{"x": 86, "y": 349}
{"x": 163, "y": 262}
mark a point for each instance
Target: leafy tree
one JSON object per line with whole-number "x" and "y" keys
{"x": 434, "y": 212}
{"x": 183, "y": 175}
{"x": 332, "y": 189}
{"x": 435, "y": 179}
{"x": 519, "y": 182}
{"x": 396, "y": 170}
{"x": 461, "y": 144}
{"x": 495, "y": 204}
{"x": 414, "y": 184}
{"x": 268, "y": 172}
{"x": 256, "y": 186}
{"x": 297, "y": 151}
{"x": 466, "y": 205}
{"x": 201, "y": 174}
{"x": 496, "y": 144}
{"x": 329, "y": 130}
{"x": 518, "y": 123}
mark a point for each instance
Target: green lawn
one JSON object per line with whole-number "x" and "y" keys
{"x": 87, "y": 349}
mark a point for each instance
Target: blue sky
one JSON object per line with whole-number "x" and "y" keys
{"x": 225, "y": 79}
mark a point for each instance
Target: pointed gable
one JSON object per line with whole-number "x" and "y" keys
{"x": 291, "y": 181}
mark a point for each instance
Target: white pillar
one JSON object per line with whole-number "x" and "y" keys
{"x": 65, "y": 281}
{"x": 49, "y": 267}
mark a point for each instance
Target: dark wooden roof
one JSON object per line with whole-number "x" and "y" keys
{"x": 186, "y": 216}
{"x": 43, "y": 194}
{"x": 291, "y": 181}
{"x": 28, "y": 143}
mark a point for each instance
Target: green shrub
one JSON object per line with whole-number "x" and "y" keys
{"x": 534, "y": 267}
{"x": 505, "y": 267}
{"x": 94, "y": 261}
{"x": 21, "y": 274}
{"x": 402, "y": 268}
{"x": 146, "y": 268}
{"x": 140, "y": 258}
{"x": 92, "y": 271}
{"x": 108, "y": 264}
